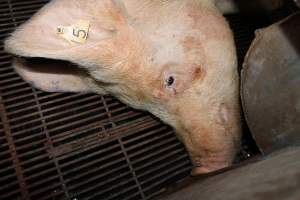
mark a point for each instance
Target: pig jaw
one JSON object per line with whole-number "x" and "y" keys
{"x": 211, "y": 138}
{"x": 210, "y": 132}
{"x": 206, "y": 157}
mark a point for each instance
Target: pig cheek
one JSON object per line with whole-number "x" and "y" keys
{"x": 165, "y": 94}
{"x": 159, "y": 94}
{"x": 172, "y": 91}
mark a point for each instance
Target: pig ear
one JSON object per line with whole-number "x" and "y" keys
{"x": 39, "y": 36}
{"x": 52, "y": 76}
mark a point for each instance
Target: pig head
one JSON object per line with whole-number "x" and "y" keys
{"x": 175, "y": 59}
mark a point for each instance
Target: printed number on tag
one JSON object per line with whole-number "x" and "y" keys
{"x": 77, "y": 33}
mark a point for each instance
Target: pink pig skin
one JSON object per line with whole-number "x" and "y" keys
{"x": 173, "y": 58}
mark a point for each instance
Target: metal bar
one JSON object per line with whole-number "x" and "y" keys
{"x": 43, "y": 181}
{"x": 50, "y": 146}
{"x": 43, "y": 190}
{"x": 9, "y": 195}
{"x": 172, "y": 171}
{"x": 87, "y": 164}
{"x": 120, "y": 176}
{"x": 125, "y": 152}
{"x": 86, "y": 181}
{"x": 152, "y": 147}
{"x": 53, "y": 195}
{"x": 8, "y": 185}
{"x": 132, "y": 169}
{"x": 14, "y": 155}
{"x": 56, "y": 114}
{"x": 9, "y": 176}
{"x": 36, "y": 167}
{"x": 162, "y": 164}
{"x": 123, "y": 190}
{"x": 25, "y": 131}
{"x": 84, "y": 174}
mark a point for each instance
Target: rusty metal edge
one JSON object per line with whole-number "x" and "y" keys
{"x": 258, "y": 37}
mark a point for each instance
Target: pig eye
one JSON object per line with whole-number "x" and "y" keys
{"x": 170, "y": 81}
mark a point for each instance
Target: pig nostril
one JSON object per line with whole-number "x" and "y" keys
{"x": 170, "y": 80}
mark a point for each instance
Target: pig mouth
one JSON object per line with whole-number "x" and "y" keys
{"x": 46, "y": 66}
{"x": 43, "y": 65}
{"x": 50, "y": 75}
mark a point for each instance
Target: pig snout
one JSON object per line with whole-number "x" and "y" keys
{"x": 212, "y": 143}
{"x": 209, "y": 131}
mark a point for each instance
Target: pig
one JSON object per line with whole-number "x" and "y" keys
{"x": 173, "y": 58}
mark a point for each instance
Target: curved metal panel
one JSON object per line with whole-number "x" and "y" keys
{"x": 271, "y": 85}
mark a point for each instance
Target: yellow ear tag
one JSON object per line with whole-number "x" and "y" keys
{"x": 77, "y": 33}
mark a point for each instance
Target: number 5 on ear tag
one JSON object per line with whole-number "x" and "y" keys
{"x": 77, "y": 33}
